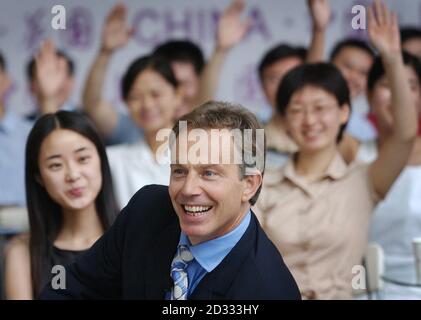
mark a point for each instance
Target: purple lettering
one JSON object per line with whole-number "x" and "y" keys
{"x": 184, "y": 25}
{"x": 258, "y": 24}
{"x": 78, "y": 31}
{"x": 35, "y": 32}
{"x": 142, "y": 34}
{"x": 248, "y": 85}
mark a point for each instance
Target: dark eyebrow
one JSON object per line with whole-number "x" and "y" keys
{"x": 80, "y": 149}
{"x": 53, "y": 157}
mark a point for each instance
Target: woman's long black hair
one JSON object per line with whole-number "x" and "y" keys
{"x": 45, "y": 215}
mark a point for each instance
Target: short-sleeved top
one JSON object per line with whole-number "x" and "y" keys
{"x": 126, "y": 131}
{"x": 320, "y": 227}
{"x": 134, "y": 166}
{"x": 14, "y": 131}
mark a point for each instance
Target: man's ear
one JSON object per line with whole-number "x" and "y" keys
{"x": 252, "y": 183}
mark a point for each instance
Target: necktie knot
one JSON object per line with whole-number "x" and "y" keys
{"x": 179, "y": 273}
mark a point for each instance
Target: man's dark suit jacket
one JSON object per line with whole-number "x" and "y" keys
{"x": 132, "y": 260}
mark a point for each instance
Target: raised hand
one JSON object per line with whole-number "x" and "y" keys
{"x": 115, "y": 33}
{"x": 320, "y": 12}
{"x": 231, "y": 29}
{"x": 51, "y": 70}
{"x": 383, "y": 30}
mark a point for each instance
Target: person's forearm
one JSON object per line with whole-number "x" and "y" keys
{"x": 403, "y": 106}
{"x": 317, "y": 47}
{"x": 209, "y": 79}
{"x": 92, "y": 93}
{"x": 101, "y": 113}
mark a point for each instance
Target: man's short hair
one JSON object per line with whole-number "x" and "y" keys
{"x": 280, "y": 52}
{"x": 377, "y": 70}
{"x": 2, "y": 63}
{"x": 225, "y": 115}
{"x": 30, "y": 68}
{"x": 182, "y": 51}
{"x": 351, "y": 43}
{"x": 409, "y": 33}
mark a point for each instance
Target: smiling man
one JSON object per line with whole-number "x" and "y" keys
{"x": 197, "y": 239}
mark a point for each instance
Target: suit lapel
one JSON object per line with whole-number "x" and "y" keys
{"x": 216, "y": 284}
{"x": 158, "y": 264}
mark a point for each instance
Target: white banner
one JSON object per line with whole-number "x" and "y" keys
{"x": 25, "y": 23}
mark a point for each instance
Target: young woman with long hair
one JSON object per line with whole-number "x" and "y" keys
{"x": 70, "y": 201}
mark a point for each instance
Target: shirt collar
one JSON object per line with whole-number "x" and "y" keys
{"x": 337, "y": 168}
{"x": 209, "y": 254}
{"x": 335, "y": 171}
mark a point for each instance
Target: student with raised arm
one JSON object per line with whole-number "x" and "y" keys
{"x": 114, "y": 126}
{"x": 396, "y": 219}
{"x": 200, "y": 87}
{"x": 321, "y": 13}
{"x": 317, "y": 208}
{"x": 151, "y": 93}
{"x": 354, "y": 58}
{"x": 50, "y": 75}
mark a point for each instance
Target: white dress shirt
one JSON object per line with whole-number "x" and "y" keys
{"x": 134, "y": 166}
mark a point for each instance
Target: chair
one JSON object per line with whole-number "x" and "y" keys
{"x": 373, "y": 264}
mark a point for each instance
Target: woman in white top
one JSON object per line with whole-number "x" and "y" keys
{"x": 150, "y": 91}
{"x": 397, "y": 219}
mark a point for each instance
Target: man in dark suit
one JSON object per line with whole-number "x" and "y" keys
{"x": 197, "y": 239}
